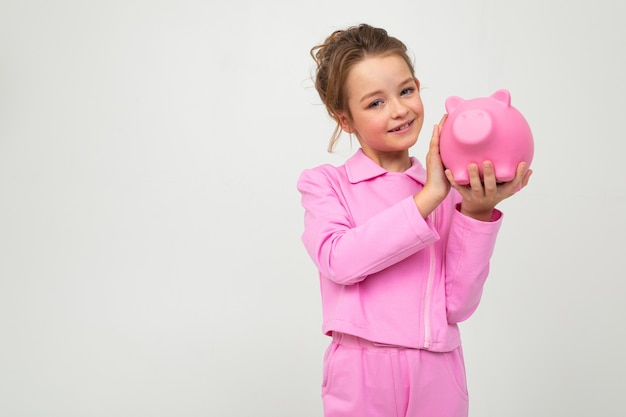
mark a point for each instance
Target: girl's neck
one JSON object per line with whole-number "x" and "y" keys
{"x": 391, "y": 161}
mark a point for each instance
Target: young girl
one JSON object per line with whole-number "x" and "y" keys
{"x": 402, "y": 251}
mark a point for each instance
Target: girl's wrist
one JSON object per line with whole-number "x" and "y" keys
{"x": 484, "y": 215}
{"x": 427, "y": 202}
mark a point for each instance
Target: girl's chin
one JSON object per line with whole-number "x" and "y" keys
{"x": 407, "y": 143}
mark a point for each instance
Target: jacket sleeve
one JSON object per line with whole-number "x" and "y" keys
{"x": 347, "y": 253}
{"x": 470, "y": 246}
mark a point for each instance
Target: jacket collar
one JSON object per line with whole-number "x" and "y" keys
{"x": 361, "y": 168}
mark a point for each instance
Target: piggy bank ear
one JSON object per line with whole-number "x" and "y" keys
{"x": 502, "y": 96}
{"x": 452, "y": 103}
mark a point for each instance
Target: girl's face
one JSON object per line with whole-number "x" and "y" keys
{"x": 386, "y": 108}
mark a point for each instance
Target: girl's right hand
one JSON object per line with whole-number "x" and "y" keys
{"x": 437, "y": 185}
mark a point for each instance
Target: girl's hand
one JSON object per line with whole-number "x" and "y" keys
{"x": 437, "y": 185}
{"x": 436, "y": 181}
{"x": 481, "y": 197}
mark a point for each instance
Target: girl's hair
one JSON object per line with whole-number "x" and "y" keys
{"x": 336, "y": 56}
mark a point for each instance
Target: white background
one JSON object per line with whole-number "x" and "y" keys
{"x": 150, "y": 254}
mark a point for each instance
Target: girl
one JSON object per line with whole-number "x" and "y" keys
{"x": 402, "y": 251}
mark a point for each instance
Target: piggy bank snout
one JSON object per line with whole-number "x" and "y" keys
{"x": 472, "y": 126}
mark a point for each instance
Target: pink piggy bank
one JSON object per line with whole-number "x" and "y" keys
{"x": 485, "y": 129}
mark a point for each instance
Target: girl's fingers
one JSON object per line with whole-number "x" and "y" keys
{"x": 443, "y": 119}
{"x": 489, "y": 178}
{"x": 450, "y": 178}
{"x": 522, "y": 176}
{"x": 526, "y": 177}
{"x": 437, "y": 128}
{"x": 474, "y": 179}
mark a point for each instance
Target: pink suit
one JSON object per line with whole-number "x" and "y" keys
{"x": 387, "y": 275}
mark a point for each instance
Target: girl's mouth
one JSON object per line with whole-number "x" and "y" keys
{"x": 402, "y": 127}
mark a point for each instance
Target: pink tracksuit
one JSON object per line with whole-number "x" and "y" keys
{"x": 392, "y": 282}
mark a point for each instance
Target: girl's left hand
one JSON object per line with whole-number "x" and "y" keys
{"x": 480, "y": 197}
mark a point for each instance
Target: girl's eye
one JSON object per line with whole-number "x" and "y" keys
{"x": 376, "y": 103}
{"x": 407, "y": 90}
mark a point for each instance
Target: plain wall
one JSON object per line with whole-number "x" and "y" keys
{"x": 150, "y": 254}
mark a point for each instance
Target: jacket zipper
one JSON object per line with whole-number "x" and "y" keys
{"x": 429, "y": 288}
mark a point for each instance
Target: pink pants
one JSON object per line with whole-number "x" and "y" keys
{"x": 365, "y": 379}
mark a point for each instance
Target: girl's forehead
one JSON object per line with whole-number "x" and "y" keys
{"x": 378, "y": 69}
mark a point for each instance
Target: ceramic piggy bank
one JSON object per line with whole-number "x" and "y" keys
{"x": 481, "y": 129}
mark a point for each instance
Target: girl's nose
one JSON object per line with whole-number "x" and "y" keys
{"x": 399, "y": 110}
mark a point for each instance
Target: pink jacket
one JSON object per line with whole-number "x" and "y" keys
{"x": 386, "y": 274}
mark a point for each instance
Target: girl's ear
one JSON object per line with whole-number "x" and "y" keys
{"x": 344, "y": 122}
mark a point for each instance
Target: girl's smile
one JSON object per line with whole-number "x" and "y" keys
{"x": 403, "y": 127}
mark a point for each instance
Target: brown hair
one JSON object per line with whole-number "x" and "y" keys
{"x": 336, "y": 56}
